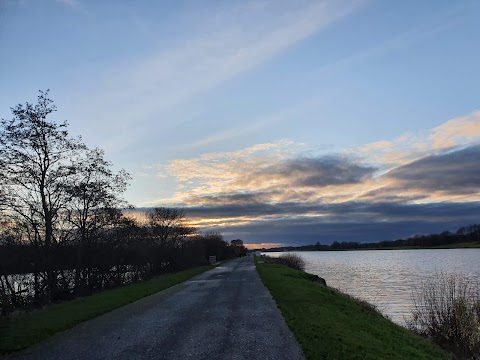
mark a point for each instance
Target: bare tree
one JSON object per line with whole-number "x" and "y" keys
{"x": 168, "y": 231}
{"x": 37, "y": 158}
{"x": 96, "y": 202}
{"x": 168, "y": 224}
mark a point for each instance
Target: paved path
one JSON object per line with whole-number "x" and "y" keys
{"x": 224, "y": 313}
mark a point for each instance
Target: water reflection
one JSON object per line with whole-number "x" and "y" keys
{"x": 385, "y": 277}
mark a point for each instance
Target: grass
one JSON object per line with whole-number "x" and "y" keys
{"x": 331, "y": 325}
{"x": 27, "y": 329}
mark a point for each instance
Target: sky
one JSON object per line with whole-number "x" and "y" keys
{"x": 276, "y": 122}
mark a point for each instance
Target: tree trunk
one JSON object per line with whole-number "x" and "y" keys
{"x": 50, "y": 265}
{"x": 78, "y": 289}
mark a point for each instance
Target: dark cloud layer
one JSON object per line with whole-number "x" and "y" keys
{"x": 233, "y": 198}
{"x": 298, "y": 233}
{"x": 314, "y": 172}
{"x": 399, "y": 207}
{"x": 354, "y": 211}
{"x": 350, "y": 221}
{"x": 455, "y": 172}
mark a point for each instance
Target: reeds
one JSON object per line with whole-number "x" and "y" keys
{"x": 447, "y": 310}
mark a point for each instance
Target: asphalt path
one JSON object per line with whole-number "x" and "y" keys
{"x": 224, "y": 313}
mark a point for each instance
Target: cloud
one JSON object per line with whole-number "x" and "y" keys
{"x": 231, "y": 40}
{"x": 437, "y": 24}
{"x": 274, "y": 193}
{"x": 454, "y": 172}
{"x": 313, "y": 172}
{"x": 462, "y": 131}
{"x": 259, "y": 123}
{"x": 361, "y": 222}
{"x": 70, "y": 3}
{"x": 214, "y": 173}
{"x": 411, "y": 168}
{"x": 309, "y": 233}
{"x": 352, "y": 211}
{"x": 391, "y": 192}
{"x": 73, "y": 4}
{"x": 233, "y": 198}
{"x": 457, "y": 131}
{"x": 272, "y": 172}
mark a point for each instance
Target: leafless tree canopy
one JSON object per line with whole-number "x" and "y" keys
{"x": 62, "y": 230}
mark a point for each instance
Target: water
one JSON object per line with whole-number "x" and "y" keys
{"x": 385, "y": 278}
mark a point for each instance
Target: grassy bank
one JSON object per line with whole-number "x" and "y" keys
{"x": 332, "y": 325}
{"x": 30, "y": 328}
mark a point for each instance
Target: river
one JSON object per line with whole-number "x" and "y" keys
{"x": 385, "y": 278}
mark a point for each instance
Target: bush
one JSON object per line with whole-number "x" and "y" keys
{"x": 447, "y": 310}
{"x": 294, "y": 261}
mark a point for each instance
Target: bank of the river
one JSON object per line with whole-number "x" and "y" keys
{"x": 26, "y": 329}
{"x": 331, "y": 325}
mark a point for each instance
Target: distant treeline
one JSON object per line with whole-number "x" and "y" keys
{"x": 467, "y": 234}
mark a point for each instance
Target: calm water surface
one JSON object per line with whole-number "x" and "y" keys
{"x": 385, "y": 277}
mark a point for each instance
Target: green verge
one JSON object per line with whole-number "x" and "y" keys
{"x": 331, "y": 325}
{"x": 29, "y": 328}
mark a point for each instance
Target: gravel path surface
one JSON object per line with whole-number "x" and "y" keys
{"x": 224, "y": 313}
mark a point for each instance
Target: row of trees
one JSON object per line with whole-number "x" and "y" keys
{"x": 124, "y": 252}
{"x": 62, "y": 230}
{"x": 465, "y": 234}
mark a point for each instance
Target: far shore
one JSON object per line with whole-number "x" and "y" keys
{"x": 475, "y": 245}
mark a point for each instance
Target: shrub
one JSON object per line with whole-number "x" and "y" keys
{"x": 447, "y": 310}
{"x": 294, "y": 261}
